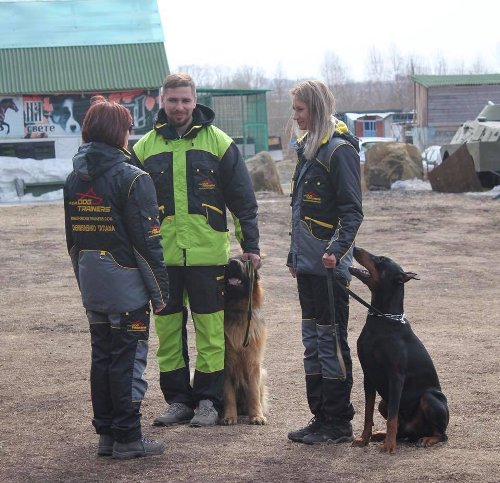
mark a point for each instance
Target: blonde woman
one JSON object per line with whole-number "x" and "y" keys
{"x": 326, "y": 215}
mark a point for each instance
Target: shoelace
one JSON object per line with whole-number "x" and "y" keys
{"x": 176, "y": 408}
{"x": 312, "y": 421}
{"x": 204, "y": 411}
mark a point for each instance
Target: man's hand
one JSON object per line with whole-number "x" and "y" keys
{"x": 329, "y": 261}
{"x": 255, "y": 259}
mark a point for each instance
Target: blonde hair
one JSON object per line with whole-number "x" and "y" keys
{"x": 321, "y": 105}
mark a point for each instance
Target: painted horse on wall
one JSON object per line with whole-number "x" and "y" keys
{"x": 7, "y": 103}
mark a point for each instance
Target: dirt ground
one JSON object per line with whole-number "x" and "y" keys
{"x": 450, "y": 240}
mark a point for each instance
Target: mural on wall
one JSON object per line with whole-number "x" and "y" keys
{"x": 143, "y": 107}
{"x": 56, "y": 116}
{"x": 11, "y": 117}
{"x": 51, "y": 116}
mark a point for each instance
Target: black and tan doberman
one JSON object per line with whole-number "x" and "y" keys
{"x": 395, "y": 363}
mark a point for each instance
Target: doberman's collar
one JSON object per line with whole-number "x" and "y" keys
{"x": 376, "y": 312}
{"x": 397, "y": 317}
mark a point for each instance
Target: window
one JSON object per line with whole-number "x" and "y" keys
{"x": 369, "y": 128}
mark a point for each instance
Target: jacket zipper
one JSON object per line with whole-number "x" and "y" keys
{"x": 317, "y": 222}
{"x": 214, "y": 208}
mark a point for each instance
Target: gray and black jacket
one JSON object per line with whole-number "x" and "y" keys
{"x": 326, "y": 206}
{"x": 113, "y": 232}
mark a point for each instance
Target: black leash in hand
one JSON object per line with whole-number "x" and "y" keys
{"x": 251, "y": 277}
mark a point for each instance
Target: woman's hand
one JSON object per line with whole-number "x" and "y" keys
{"x": 329, "y": 260}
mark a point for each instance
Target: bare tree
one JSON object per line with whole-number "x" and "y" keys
{"x": 478, "y": 67}
{"x": 396, "y": 61}
{"x": 202, "y": 74}
{"x": 416, "y": 66}
{"x": 459, "y": 67}
{"x": 376, "y": 65}
{"x": 248, "y": 77}
{"x": 222, "y": 76}
{"x": 333, "y": 70}
{"x": 279, "y": 84}
{"x": 440, "y": 65}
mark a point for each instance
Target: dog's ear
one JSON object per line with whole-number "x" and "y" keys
{"x": 405, "y": 276}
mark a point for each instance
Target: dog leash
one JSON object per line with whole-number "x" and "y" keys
{"x": 366, "y": 304}
{"x": 251, "y": 275}
{"x": 331, "y": 299}
{"x": 376, "y": 312}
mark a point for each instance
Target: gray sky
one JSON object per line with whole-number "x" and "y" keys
{"x": 296, "y": 35}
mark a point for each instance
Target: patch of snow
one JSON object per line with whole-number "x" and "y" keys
{"x": 414, "y": 184}
{"x": 28, "y": 171}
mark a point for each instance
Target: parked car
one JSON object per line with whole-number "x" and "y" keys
{"x": 431, "y": 157}
{"x": 365, "y": 143}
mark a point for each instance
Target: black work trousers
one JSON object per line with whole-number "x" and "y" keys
{"x": 117, "y": 382}
{"x": 328, "y": 396}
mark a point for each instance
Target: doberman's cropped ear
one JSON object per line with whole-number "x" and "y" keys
{"x": 408, "y": 276}
{"x": 403, "y": 277}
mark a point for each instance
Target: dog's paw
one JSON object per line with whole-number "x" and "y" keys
{"x": 427, "y": 441}
{"x": 260, "y": 420}
{"x": 229, "y": 421}
{"x": 360, "y": 442}
{"x": 389, "y": 447}
{"x": 378, "y": 436}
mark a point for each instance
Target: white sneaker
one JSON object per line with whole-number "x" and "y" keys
{"x": 205, "y": 415}
{"x": 176, "y": 413}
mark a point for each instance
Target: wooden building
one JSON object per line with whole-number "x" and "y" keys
{"x": 55, "y": 55}
{"x": 391, "y": 124}
{"x": 444, "y": 102}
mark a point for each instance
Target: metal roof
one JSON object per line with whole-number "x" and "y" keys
{"x": 97, "y": 68}
{"x": 61, "y": 23}
{"x": 456, "y": 80}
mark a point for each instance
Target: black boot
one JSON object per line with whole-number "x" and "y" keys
{"x": 299, "y": 434}
{"x": 330, "y": 433}
{"x": 135, "y": 449}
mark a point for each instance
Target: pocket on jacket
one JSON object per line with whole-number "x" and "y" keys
{"x": 310, "y": 252}
{"x": 107, "y": 286}
{"x": 205, "y": 184}
{"x": 150, "y": 222}
{"x": 205, "y": 179}
{"x": 319, "y": 229}
{"x": 216, "y": 217}
{"x": 160, "y": 170}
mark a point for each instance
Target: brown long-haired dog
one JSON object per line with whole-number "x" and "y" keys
{"x": 244, "y": 388}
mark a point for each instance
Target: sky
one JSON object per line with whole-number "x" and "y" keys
{"x": 293, "y": 37}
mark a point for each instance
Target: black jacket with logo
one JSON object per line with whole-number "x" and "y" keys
{"x": 112, "y": 232}
{"x": 326, "y": 206}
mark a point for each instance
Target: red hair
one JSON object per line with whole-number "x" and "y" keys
{"x": 106, "y": 122}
